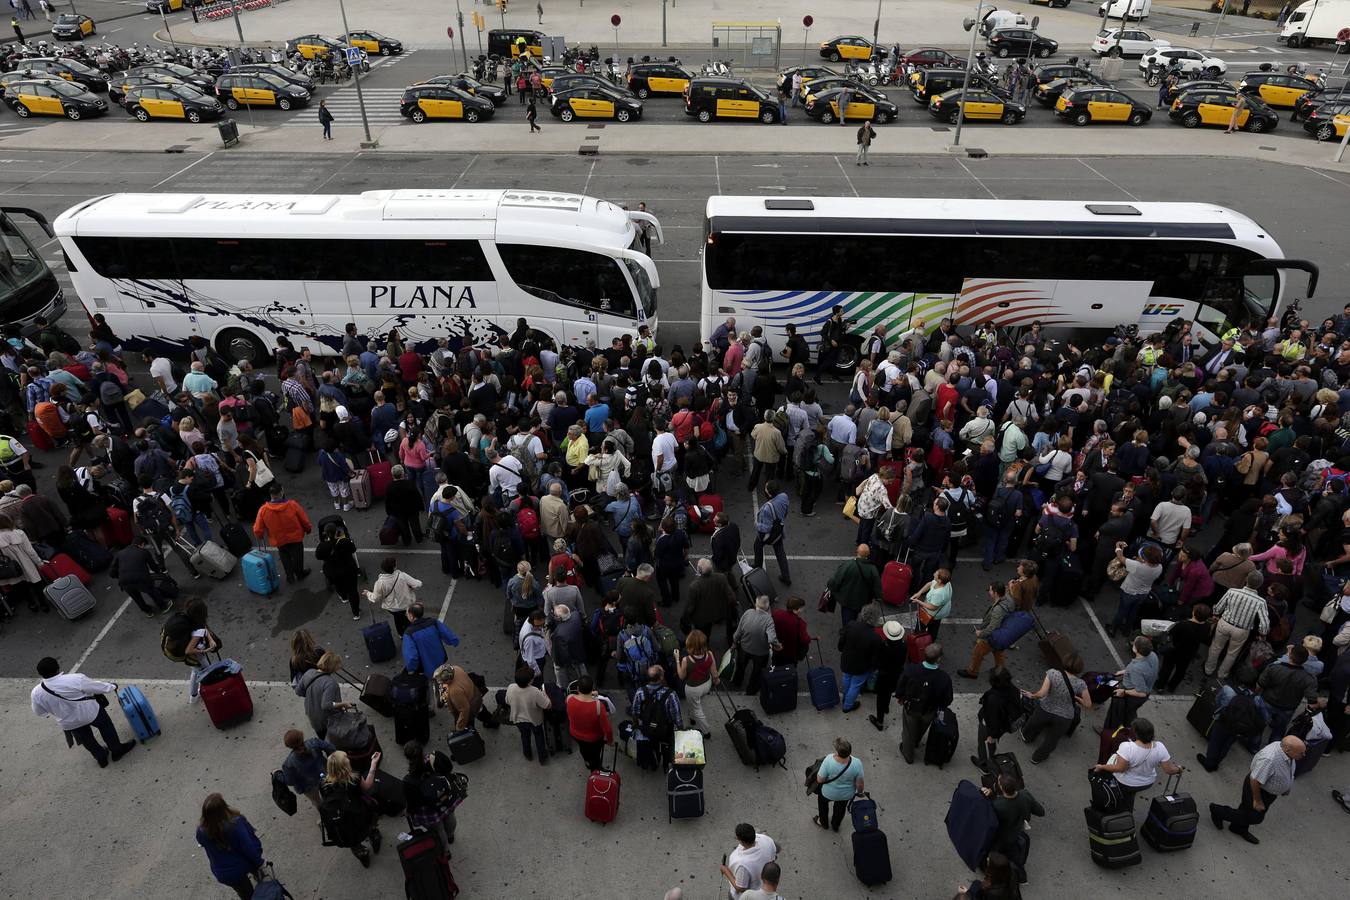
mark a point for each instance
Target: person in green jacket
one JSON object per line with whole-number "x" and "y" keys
{"x": 1014, "y": 805}
{"x": 855, "y": 584}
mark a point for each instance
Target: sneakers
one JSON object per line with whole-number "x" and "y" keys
{"x": 879, "y": 724}
{"x": 346, "y": 507}
{"x": 337, "y": 506}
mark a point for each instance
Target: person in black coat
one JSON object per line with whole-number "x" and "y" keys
{"x": 1000, "y": 707}
{"x": 1186, "y": 638}
{"x": 338, "y": 555}
{"x": 726, "y": 547}
{"x": 403, "y": 503}
{"x": 134, "y": 568}
{"x": 352, "y": 437}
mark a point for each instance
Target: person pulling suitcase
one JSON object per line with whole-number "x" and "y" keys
{"x": 79, "y": 704}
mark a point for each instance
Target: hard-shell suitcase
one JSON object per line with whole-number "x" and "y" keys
{"x": 897, "y": 469}
{"x": 1111, "y": 839}
{"x": 755, "y": 583}
{"x": 778, "y": 689}
{"x": 426, "y": 867}
{"x": 260, "y": 572}
{"x": 741, "y": 725}
{"x": 465, "y": 746}
{"x": 684, "y": 791}
{"x": 381, "y": 473}
{"x": 823, "y": 684}
{"x": 896, "y": 579}
{"x": 1311, "y": 757}
{"x": 1201, "y": 713}
{"x": 411, "y": 716}
{"x": 70, "y": 598}
{"x": 943, "y": 737}
{"x": 225, "y": 695}
{"x": 88, "y": 552}
{"x": 916, "y": 643}
{"x": 235, "y": 538}
{"x": 213, "y": 561}
{"x": 1172, "y": 819}
{"x": 360, "y": 486}
{"x": 117, "y": 530}
{"x": 376, "y": 692}
{"x": 62, "y": 564}
{"x": 871, "y": 857}
{"x": 140, "y": 714}
{"x": 379, "y": 637}
{"x": 1057, "y": 650}
{"x": 602, "y": 791}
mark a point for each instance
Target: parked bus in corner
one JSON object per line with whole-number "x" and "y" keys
{"x": 1075, "y": 267}
{"x": 28, "y": 289}
{"x": 242, "y": 270}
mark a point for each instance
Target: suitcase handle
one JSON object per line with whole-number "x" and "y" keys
{"x": 348, "y": 678}
{"x": 723, "y": 702}
{"x": 1172, "y": 784}
{"x": 820, "y": 650}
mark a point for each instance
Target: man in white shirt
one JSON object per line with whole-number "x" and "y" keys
{"x": 664, "y": 446}
{"x": 161, "y": 370}
{"x": 745, "y": 865}
{"x": 1271, "y": 776}
{"x": 1171, "y": 522}
{"x": 504, "y": 472}
{"x": 70, "y": 699}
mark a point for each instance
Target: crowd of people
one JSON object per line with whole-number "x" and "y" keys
{"x": 1210, "y": 487}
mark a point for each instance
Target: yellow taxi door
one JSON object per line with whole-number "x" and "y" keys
{"x": 858, "y": 109}
{"x": 1216, "y": 113}
{"x": 663, "y": 85}
{"x": 37, "y": 104}
{"x": 1108, "y": 110}
{"x": 240, "y": 94}
{"x": 981, "y": 107}
{"x": 263, "y": 94}
{"x": 87, "y": 26}
{"x": 1340, "y": 122}
{"x": 367, "y": 45}
{"x": 855, "y": 51}
{"x": 170, "y": 109}
{"x": 438, "y": 108}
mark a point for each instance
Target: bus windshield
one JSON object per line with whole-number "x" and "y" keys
{"x": 20, "y": 264}
{"x": 646, "y": 293}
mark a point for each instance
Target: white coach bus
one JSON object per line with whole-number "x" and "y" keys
{"x": 1073, "y": 266}
{"x": 242, "y": 270}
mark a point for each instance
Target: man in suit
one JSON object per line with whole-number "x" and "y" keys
{"x": 726, "y": 547}
{"x": 1221, "y": 358}
{"x": 1182, "y": 350}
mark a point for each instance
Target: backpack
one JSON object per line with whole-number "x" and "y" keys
{"x": 667, "y": 641}
{"x": 182, "y": 506}
{"x": 958, "y": 512}
{"x": 765, "y": 357}
{"x": 770, "y": 748}
{"x": 996, "y": 513}
{"x": 439, "y": 527}
{"x": 174, "y": 637}
{"x": 637, "y": 651}
{"x": 1050, "y": 538}
{"x": 503, "y": 550}
{"x": 655, "y": 719}
{"x": 527, "y": 520}
{"x": 1241, "y": 716}
{"x": 529, "y": 463}
{"x": 345, "y": 816}
{"x": 152, "y": 515}
{"x": 719, "y": 436}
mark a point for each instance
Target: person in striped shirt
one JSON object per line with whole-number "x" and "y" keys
{"x": 1239, "y": 611}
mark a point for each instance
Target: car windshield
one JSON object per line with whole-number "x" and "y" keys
{"x": 184, "y": 92}
{"x": 67, "y": 19}
{"x": 271, "y": 79}
{"x": 68, "y": 90}
{"x": 78, "y": 67}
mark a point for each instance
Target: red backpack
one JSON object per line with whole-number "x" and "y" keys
{"x": 527, "y": 520}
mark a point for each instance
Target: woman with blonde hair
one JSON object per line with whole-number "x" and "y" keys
{"x": 862, "y": 383}
{"x": 356, "y": 820}
{"x": 523, "y": 593}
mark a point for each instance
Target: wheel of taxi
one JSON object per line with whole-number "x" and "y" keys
{"x": 140, "y": 113}
{"x": 834, "y": 56}
{"x": 1255, "y": 125}
{"x": 284, "y": 103}
{"x": 1010, "y": 117}
{"x": 384, "y": 51}
{"x": 231, "y": 103}
{"x": 1002, "y": 52}
{"x": 643, "y": 93}
{"x": 883, "y": 118}
{"x": 73, "y": 113}
{"x": 1043, "y": 53}
{"x": 1325, "y": 132}
{"x": 827, "y": 117}
{"x": 471, "y": 115}
{"x": 768, "y": 117}
{"x": 704, "y": 116}
{"x": 22, "y": 111}
{"x": 1191, "y": 119}
{"x": 953, "y": 116}
{"x": 193, "y": 116}
{"x": 567, "y": 115}
{"x": 418, "y": 116}
{"x": 1137, "y": 118}
{"x": 239, "y": 346}
{"x": 1081, "y": 117}
{"x": 622, "y": 115}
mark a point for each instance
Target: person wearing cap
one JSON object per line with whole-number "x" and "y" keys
{"x": 923, "y": 690}
{"x": 352, "y": 437}
{"x": 891, "y": 659}
{"x": 337, "y": 472}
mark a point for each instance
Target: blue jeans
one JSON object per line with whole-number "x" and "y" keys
{"x": 1126, "y": 609}
{"x": 853, "y": 685}
{"x": 996, "y": 543}
{"x": 199, "y": 529}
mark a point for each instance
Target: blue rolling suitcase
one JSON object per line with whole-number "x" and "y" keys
{"x": 260, "y": 572}
{"x": 140, "y": 715}
{"x": 379, "y": 639}
{"x": 823, "y": 683}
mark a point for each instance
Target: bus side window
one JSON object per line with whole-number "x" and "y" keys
{"x": 591, "y": 281}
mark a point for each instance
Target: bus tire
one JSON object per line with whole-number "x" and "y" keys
{"x": 847, "y": 360}
{"x": 238, "y": 345}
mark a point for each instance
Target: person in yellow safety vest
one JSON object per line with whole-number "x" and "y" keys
{"x": 645, "y": 339}
{"x": 1231, "y": 334}
{"x": 15, "y": 463}
{"x": 1151, "y": 352}
{"x": 1292, "y": 347}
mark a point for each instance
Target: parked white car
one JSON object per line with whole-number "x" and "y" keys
{"x": 1193, "y": 62}
{"x": 1127, "y": 9}
{"x": 1133, "y": 42}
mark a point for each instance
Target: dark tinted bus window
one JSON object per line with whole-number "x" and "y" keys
{"x": 575, "y": 277}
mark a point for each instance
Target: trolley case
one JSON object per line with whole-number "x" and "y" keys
{"x": 426, "y": 867}
{"x": 465, "y": 746}
{"x": 70, "y": 598}
{"x": 943, "y": 736}
{"x": 741, "y": 727}
{"x": 602, "y": 791}
{"x": 213, "y": 561}
{"x": 360, "y": 485}
{"x": 1111, "y": 839}
{"x": 684, "y": 789}
{"x": 376, "y": 692}
{"x": 778, "y": 689}
{"x": 755, "y": 583}
{"x": 822, "y": 682}
{"x": 1172, "y": 819}
{"x": 140, "y": 714}
{"x": 235, "y": 538}
{"x": 117, "y": 530}
{"x": 379, "y": 637}
{"x": 871, "y": 857}
{"x": 260, "y": 572}
{"x": 896, "y": 579}
{"x": 381, "y": 474}
{"x": 225, "y": 695}
{"x": 1201, "y": 713}
{"x": 62, "y": 564}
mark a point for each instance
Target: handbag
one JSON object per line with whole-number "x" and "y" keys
{"x": 9, "y": 567}
{"x": 348, "y": 728}
{"x": 851, "y": 508}
{"x": 1116, "y": 570}
{"x": 727, "y": 663}
{"x": 1328, "y": 614}
{"x": 299, "y": 418}
{"x": 812, "y": 785}
{"x": 1077, "y": 710}
{"x": 827, "y": 603}
{"x": 262, "y": 472}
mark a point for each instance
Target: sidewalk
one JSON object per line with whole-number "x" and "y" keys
{"x": 1160, "y": 138}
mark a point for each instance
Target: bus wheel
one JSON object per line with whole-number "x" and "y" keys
{"x": 847, "y": 359}
{"x": 237, "y": 346}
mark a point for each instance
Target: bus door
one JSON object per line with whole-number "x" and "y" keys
{"x": 327, "y": 308}
{"x": 1248, "y": 299}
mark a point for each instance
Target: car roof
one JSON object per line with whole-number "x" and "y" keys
{"x": 721, "y": 79}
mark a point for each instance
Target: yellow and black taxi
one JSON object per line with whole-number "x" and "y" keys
{"x": 595, "y": 103}
{"x": 1328, "y": 120}
{"x": 816, "y": 85}
{"x": 299, "y": 79}
{"x": 979, "y": 105}
{"x": 646, "y": 79}
{"x": 1048, "y": 92}
{"x": 8, "y": 78}
{"x": 200, "y": 80}
{"x": 168, "y": 6}
{"x": 925, "y": 84}
{"x": 574, "y": 80}
{"x": 862, "y": 105}
{"x": 1276, "y": 88}
{"x": 259, "y": 89}
{"x": 373, "y": 42}
{"x": 848, "y": 46}
{"x": 73, "y": 27}
{"x": 808, "y": 73}
{"x": 178, "y": 102}
{"x": 315, "y": 46}
{"x": 507, "y": 43}
{"x": 1090, "y": 104}
{"x": 421, "y": 102}
{"x": 50, "y": 97}
{"x": 728, "y": 98}
{"x": 119, "y": 85}
{"x": 1043, "y": 74}
{"x": 86, "y": 76}
{"x": 1199, "y": 84}
{"x": 470, "y": 85}
{"x": 1215, "y": 107}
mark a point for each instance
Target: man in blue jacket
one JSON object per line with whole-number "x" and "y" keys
{"x": 423, "y": 641}
{"x": 770, "y": 528}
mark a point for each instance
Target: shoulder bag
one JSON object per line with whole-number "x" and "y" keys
{"x": 1077, "y": 710}
{"x": 812, "y": 785}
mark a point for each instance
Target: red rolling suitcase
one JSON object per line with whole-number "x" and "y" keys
{"x": 225, "y": 695}
{"x": 117, "y": 530}
{"x": 602, "y": 792}
{"x": 381, "y": 473}
{"x": 1110, "y": 740}
{"x": 896, "y": 579}
{"x": 917, "y": 642}
{"x": 39, "y": 437}
{"x": 62, "y": 564}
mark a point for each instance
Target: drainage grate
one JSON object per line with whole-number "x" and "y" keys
{"x": 588, "y": 150}
{"x": 595, "y": 125}
{"x": 1264, "y": 147}
{"x": 938, "y": 128}
{"x": 591, "y": 137}
{"x": 977, "y": 153}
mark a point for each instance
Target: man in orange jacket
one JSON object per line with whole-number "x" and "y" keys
{"x": 285, "y": 524}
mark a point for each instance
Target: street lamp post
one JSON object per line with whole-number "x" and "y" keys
{"x": 972, "y": 25}
{"x": 356, "y": 72}
{"x": 463, "y": 52}
{"x": 876, "y": 25}
{"x": 663, "y": 23}
{"x": 167, "y": 30}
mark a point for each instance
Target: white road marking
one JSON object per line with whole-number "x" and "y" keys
{"x": 101, "y": 635}
{"x": 449, "y": 595}
{"x": 1106, "y": 639}
{"x": 184, "y": 169}
{"x": 846, "y": 178}
{"x": 1108, "y": 180}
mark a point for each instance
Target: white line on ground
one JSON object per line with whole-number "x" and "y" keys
{"x": 101, "y": 635}
{"x": 846, "y": 178}
{"x": 1106, "y": 639}
{"x": 962, "y": 164}
{"x": 184, "y": 169}
{"x": 717, "y": 169}
{"x": 1108, "y": 180}
{"x": 449, "y": 595}
{"x": 589, "y": 173}
{"x": 473, "y": 160}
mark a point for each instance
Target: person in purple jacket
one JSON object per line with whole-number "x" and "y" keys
{"x": 232, "y": 846}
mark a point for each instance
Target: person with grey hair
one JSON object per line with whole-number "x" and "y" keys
{"x": 1137, "y": 680}
{"x": 710, "y": 600}
{"x": 1239, "y": 611}
{"x": 755, "y": 639}
{"x": 769, "y": 448}
{"x": 838, "y": 780}
{"x": 569, "y": 644}
{"x": 403, "y": 507}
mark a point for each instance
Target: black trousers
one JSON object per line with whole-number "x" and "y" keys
{"x": 755, "y": 665}
{"x": 142, "y": 593}
{"x": 292, "y": 559}
{"x": 840, "y": 810}
{"x": 1240, "y": 820}
{"x": 84, "y": 736}
{"x": 591, "y": 754}
{"x": 410, "y": 529}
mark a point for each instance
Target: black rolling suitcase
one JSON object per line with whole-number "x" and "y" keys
{"x": 741, "y": 726}
{"x": 235, "y": 538}
{"x": 1172, "y": 819}
{"x": 943, "y": 737}
{"x": 871, "y": 857}
{"x": 1201, "y": 713}
{"x": 1111, "y": 838}
{"x": 1003, "y": 764}
{"x": 778, "y": 689}
{"x": 426, "y": 867}
{"x": 684, "y": 789}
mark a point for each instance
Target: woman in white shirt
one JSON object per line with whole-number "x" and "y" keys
{"x": 1058, "y": 462}
{"x": 1135, "y": 763}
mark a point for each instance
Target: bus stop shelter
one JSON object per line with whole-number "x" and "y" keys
{"x": 751, "y": 44}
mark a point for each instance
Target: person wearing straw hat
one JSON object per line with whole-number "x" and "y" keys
{"x": 890, "y": 662}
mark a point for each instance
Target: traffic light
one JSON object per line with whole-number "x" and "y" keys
{"x": 501, "y": 5}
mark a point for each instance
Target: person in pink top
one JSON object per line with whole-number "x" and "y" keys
{"x": 1289, "y": 546}
{"x": 1193, "y": 575}
{"x": 417, "y": 461}
{"x": 731, "y": 362}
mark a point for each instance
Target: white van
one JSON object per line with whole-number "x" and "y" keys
{"x": 1127, "y": 9}
{"x": 1001, "y": 18}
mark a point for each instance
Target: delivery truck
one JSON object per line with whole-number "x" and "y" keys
{"x": 1317, "y": 22}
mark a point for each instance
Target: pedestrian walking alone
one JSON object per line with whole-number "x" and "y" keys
{"x": 325, "y": 118}
{"x": 18, "y": 32}
{"x": 539, "y": 8}
{"x": 46, "y": 8}
{"x": 79, "y": 706}
{"x": 1271, "y": 776}
{"x": 531, "y": 113}
{"x": 1234, "y": 121}
{"x": 192, "y": 8}
{"x": 28, "y": 10}
{"x": 232, "y": 846}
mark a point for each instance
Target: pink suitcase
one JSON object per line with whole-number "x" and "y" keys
{"x": 896, "y": 579}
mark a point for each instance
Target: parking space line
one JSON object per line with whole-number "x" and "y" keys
{"x": 449, "y": 595}
{"x": 978, "y": 181}
{"x": 182, "y": 170}
{"x": 1108, "y": 180}
{"x": 472, "y": 160}
{"x": 717, "y": 167}
{"x": 101, "y": 635}
{"x": 1106, "y": 639}
{"x": 846, "y": 178}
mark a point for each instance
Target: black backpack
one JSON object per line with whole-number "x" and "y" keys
{"x": 1241, "y": 716}
{"x": 655, "y": 720}
{"x": 503, "y": 550}
{"x": 959, "y": 513}
{"x": 153, "y": 515}
{"x": 1051, "y": 538}
{"x": 345, "y": 815}
{"x": 996, "y": 513}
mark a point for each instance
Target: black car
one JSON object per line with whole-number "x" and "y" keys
{"x": 924, "y": 84}
{"x": 200, "y": 80}
{"x": 1007, "y": 42}
{"x": 1042, "y": 74}
{"x": 575, "y": 80}
{"x": 808, "y": 73}
{"x": 470, "y": 85}
{"x": 118, "y": 86}
{"x": 1048, "y": 92}
{"x": 299, "y": 79}
{"x": 1199, "y": 84}
{"x": 862, "y": 105}
{"x": 827, "y": 82}
{"x": 73, "y": 27}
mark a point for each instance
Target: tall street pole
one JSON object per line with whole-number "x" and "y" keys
{"x": 463, "y": 52}
{"x": 356, "y": 71}
{"x": 965, "y": 83}
{"x": 876, "y": 24}
{"x": 1217, "y": 25}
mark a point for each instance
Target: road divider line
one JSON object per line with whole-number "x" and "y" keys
{"x": 101, "y": 635}
{"x": 449, "y": 595}
{"x": 417, "y": 551}
{"x": 1106, "y": 639}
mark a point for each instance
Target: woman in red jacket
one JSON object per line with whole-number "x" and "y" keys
{"x": 588, "y": 722}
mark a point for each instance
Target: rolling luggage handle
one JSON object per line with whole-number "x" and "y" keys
{"x": 349, "y": 679}
{"x": 820, "y": 651}
{"x": 723, "y": 702}
{"x": 1173, "y": 784}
